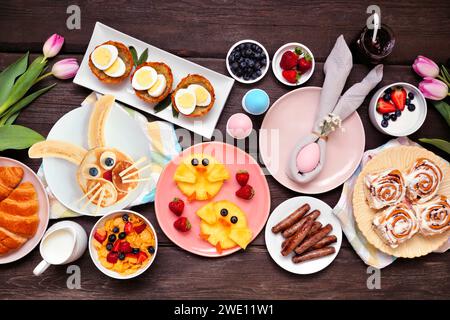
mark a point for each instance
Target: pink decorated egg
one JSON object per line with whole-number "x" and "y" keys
{"x": 308, "y": 158}
{"x": 239, "y": 126}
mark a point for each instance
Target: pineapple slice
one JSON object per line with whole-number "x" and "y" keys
{"x": 200, "y": 176}
{"x": 224, "y": 225}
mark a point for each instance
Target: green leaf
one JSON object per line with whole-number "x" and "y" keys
{"x": 12, "y": 118}
{"x": 144, "y": 56}
{"x": 175, "y": 112}
{"x": 9, "y": 75}
{"x": 438, "y": 143}
{"x": 24, "y": 102}
{"x": 18, "y": 137}
{"x": 162, "y": 105}
{"x": 445, "y": 73}
{"x": 444, "y": 109}
{"x": 134, "y": 54}
{"x": 24, "y": 83}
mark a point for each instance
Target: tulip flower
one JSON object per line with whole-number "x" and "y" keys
{"x": 65, "y": 69}
{"x": 433, "y": 89}
{"x": 53, "y": 45}
{"x": 425, "y": 67}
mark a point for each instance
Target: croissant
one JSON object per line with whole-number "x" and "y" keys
{"x": 19, "y": 208}
{"x": 424, "y": 178}
{"x": 434, "y": 216}
{"x": 10, "y": 178}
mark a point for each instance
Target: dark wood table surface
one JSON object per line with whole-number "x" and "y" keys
{"x": 203, "y": 31}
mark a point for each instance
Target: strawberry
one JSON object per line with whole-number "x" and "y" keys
{"x": 116, "y": 246}
{"x": 246, "y": 192}
{"x": 289, "y": 60}
{"x": 176, "y": 206}
{"x": 384, "y": 106}
{"x": 100, "y": 235}
{"x": 242, "y": 177}
{"x": 125, "y": 247}
{"x": 112, "y": 257}
{"x": 140, "y": 228}
{"x": 291, "y": 76}
{"x": 107, "y": 175}
{"x": 128, "y": 228}
{"x": 141, "y": 257}
{"x": 182, "y": 224}
{"x": 398, "y": 97}
{"x": 304, "y": 64}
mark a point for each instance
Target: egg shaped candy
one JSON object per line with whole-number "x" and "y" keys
{"x": 144, "y": 78}
{"x": 256, "y": 101}
{"x": 239, "y": 126}
{"x": 104, "y": 56}
{"x": 308, "y": 158}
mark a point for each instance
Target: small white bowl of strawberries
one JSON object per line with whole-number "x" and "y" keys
{"x": 293, "y": 64}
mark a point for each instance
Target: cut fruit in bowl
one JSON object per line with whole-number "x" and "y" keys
{"x": 293, "y": 64}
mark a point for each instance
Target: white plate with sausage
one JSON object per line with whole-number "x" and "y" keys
{"x": 302, "y": 235}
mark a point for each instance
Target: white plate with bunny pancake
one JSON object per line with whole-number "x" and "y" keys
{"x": 92, "y": 157}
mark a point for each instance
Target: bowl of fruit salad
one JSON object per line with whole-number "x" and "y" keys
{"x": 398, "y": 109}
{"x": 123, "y": 244}
{"x": 247, "y": 61}
{"x": 293, "y": 64}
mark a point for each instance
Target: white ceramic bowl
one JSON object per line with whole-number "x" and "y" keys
{"x": 93, "y": 251}
{"x": 409, "y": 122}
{"x": 263, "y": 71}
{"x": 277, "y": 71}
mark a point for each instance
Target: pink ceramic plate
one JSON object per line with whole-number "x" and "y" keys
{"x": 29, "y": 176}
{"x": 257, "y": 209}
{"x": 291, "y": 117}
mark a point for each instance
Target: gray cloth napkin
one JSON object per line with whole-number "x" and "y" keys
{"x": 337, "y": 68}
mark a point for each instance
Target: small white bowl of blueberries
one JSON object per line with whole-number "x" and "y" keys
{"x": 398, "y": 109}
{"x": 247, "y": 61}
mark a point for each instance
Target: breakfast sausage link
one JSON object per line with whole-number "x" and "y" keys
{"x": 314, "y": 254}
{"x": 293, "y": 228}
{"x": 291, "y": 219}
{"x": 315, "y": 227}
{"x": 314, "y": 239}
{"x": 324, "y": 242}
{"x": 297, "y": 238}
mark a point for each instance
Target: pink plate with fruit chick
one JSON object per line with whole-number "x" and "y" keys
{"x": 291, "y": 117}
{"x": 206, "y": 178}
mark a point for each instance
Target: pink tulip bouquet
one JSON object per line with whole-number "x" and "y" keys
{"x": 15, "y": 83}
{"x": 434, "y": 86}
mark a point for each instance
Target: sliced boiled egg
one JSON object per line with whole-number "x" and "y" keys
{"x": 186, "y": 101}
{"x": 104, "y": 56}
{"x": 158, "y": 88}
{"x": 203, "y": 97}
{"x": 117, "y": 69}
{"x": 144, "y": 78}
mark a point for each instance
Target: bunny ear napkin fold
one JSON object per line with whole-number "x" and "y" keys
{"x": 333, "y": 108}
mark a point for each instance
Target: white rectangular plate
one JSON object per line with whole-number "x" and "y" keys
{"x": 123, "y": 92}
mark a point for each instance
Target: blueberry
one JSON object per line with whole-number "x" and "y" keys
{"x": 93, "y": 172}
{"x": 254, "y": 47}
{"x": 258, "y": 73}
{"x": 246, "y": 77}
{"x": 231, "y": 58}
{"x": 121, "y": 256}
{"x": 257, "y": 56}
{"x": 109, "y": 162}
{"x": 257, "y": 66}
{"x": 135, "y": 250}
{"x": 386, "y": 116}
{"x": 109, "y": 246}
{"x": 125, "y": 217}
{"x": 122, "y": 235}
{"x": 384, "y": 123}
{"x": 234, "y": 220}
{"x": 242, "y": 46}
{"x": 116, "y": 229}
{"x": 223, "y": 212}
{"x": 387, "y": 97}
{"x": 234, "y": 66}
{"x": 194, "y": 162}
{"x": 411, "y": 96}
{"x": 393, "y": 117}
{"x": 112, "y": 238}
{"x": 243, "y": 65}
{"x": 388, "y": 90}
{"x": 398, "y": 113}
{"x": 151, "y": 249}
{"x": 205, "y": 162}
{"x": 248, "y": 45}
{"x": 411, "y": 107}
{"x": 263, "y": 55}
{"x": 238, "y": 73}
{"x": 251, "y": 63}
{"x": 237, "y": 55}
{"x": 263, "y": 62}
{"x": 248, "y": 52}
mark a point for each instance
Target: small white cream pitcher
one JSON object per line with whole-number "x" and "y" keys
{"x": 63, "y": 243}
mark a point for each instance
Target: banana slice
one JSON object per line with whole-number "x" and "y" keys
{"x": 96, "y": 131}
{"x": 57, "y": 149}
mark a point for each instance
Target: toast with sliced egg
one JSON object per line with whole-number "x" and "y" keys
{"x": 111, "y": 62}
{"x": 152, "y": 81}
{"x": 194, "y": 96}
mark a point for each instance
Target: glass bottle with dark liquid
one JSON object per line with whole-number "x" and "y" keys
{"x": 374, "y": 52}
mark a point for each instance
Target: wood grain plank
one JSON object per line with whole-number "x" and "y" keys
{"x": 182, "y": 27}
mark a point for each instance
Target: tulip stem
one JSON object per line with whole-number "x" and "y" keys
{"x": 444, "y": 80}
{"x": 43, "y": 77}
